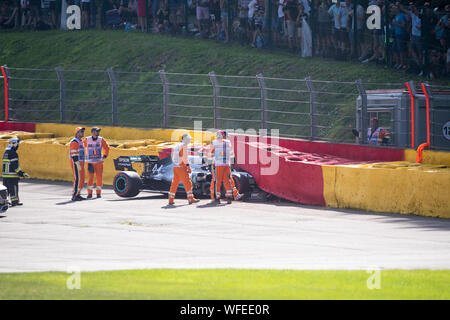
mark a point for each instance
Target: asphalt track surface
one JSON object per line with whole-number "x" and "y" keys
{"x": 52, "y": 233}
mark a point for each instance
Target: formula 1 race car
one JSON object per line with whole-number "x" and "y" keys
{"x": 157, "y": 177}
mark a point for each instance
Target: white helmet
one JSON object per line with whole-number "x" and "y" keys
{"x": 14, "y": 142}
{"x": 186, "y": 138}
{"x": 220, "y": 135}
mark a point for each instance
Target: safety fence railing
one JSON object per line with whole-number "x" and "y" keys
{"x": 302, "y": 108}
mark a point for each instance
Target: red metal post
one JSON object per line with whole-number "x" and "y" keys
{"x": 412, "y": 114}
{"x": 5, "y": 79}
{"x": 428, "y": 112}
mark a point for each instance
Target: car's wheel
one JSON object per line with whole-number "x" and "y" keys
{"x": 3, "y": 199}
{"x": 127, "y": 184}
{"x": 242, "y": 184}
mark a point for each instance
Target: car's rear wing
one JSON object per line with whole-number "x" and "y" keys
{"x": 125, "y": 163}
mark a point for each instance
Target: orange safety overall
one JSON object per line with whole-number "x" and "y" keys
{"x": 221, "y": 152}
{"x": 181, "y": 171}
{"x": 77, "y": 150}
{"x": 233, "y": 185}
{"x": 94, "y": 158}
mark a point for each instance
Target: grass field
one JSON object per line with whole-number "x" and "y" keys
{"x": 228, "y": 284}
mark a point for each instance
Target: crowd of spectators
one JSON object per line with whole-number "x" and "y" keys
{"x": 414, "y": 36}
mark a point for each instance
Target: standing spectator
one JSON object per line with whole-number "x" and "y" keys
{"x": 141, "y": 13}
{"x": 360, "y": 29}
{"x": 243, "y": 18}
{"x": 291, "y": 13}
{"x": 25, "y": 9}
{"x": 400, "y": 36}
{"x": 154, "y": 5}
{"x": 53, "y": 12}
{"x": 299, "y": 24}
{"x": 344, "y": 30}
{"x": 203, "y": 16}
{"x": 251, "y": 19}
{"x": 335, "y": 12}
{"x": 272, "y": 27}
{"x": 281, "y": 32}
{"x": 258, "y": 37}
{"x": 35, "y": 12}
{"x": 162, "y": 15}
{"x": 85, "y": 7}
{"x": 93, "y": 14}
{"x": 214, "y": 10}
{"x": 224, "y": 17}
{"x": 323, "y": 24}
{"x": 172, "y": 8}
{"x": 440, "y": 32}
{"x": 416, "y": 34}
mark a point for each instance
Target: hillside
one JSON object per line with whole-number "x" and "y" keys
{"x": 137, "y": 52}
{"x": 134, "y": 51}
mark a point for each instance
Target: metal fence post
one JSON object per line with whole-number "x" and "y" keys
{"x": 114, "y": 96}
{"x": 262, "y": 85}
{"x": 362, "y": 93}
{"x": 216, "y": 93}
{"x": 62, "y": 94}
{"x": 312, "y": 108}
{"x": 165, "y": 83}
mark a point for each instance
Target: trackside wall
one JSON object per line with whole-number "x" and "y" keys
{"x": 313, "y": 173}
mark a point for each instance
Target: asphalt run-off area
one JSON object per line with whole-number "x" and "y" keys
{"x": 51, "y": 233}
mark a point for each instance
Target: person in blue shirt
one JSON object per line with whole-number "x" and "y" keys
{"x": 345, "y": 26}
{"x": 399, "y": 23}
{"x": 335, "y": 12}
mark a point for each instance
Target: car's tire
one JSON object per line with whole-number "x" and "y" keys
{"x": 3, "y": 199}
{"x": 242, "y": 184}
{"x": 127, "y": 184}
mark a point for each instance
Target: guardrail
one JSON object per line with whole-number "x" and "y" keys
{"x": 300, "y": 108}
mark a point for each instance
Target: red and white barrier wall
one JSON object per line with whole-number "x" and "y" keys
{"x": 312, "y": 173}
{"x": 349, "y": 176}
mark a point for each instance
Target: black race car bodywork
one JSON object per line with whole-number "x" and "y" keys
{"x": 157, "y": 177}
